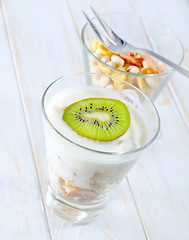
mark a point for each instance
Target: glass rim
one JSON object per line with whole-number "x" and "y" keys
{"x": 134, "y": 74}
{"x": 152, "y": 139}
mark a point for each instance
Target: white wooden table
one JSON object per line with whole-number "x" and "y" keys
{"x": 39, "y": 42}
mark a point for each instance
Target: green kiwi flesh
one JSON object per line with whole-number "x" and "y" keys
{"x": 102, "y": 119}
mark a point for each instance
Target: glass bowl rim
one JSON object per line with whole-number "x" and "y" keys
{"x": 152, "y": 139}
{"x": 128, "y": 73}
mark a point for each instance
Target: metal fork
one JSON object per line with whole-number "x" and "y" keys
{"x": 115, "y": 44}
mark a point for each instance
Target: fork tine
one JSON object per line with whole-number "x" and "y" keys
{"x": 102, "y": 38}
{"x": 105, "y": 26}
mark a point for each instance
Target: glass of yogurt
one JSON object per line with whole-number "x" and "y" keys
{"x": 82, "y": 171}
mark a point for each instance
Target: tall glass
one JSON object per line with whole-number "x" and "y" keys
{"x": 81, "y": 178}
{"x": 141, "y": 32}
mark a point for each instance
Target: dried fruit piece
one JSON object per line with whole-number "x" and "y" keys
{"x": 152, "y": 64}
{"x": 95, "y": 45}
{"x": 148, "y": 70}
{"x": 131, "y": 59}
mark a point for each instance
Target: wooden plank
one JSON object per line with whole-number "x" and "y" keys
{"x": 21, "y": 215}
{"x": 45, "y": 48}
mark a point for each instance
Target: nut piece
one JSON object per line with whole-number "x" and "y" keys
{"x": 105, "y": 58}
{"x": 145, "y": 64}
{"x": 119, "y": 61}
{"x": 133, "y": 69}
{"x": 111, "y": 64}
{"x": 103, "y": 82}
{"x": 152, "y": 82}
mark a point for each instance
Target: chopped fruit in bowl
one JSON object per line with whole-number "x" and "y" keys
{"x": 135, "y": 68}
{"x": 132, "y": 62}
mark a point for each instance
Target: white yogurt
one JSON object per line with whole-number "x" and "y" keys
{"x": 80, "y": 167}
{"x": 132, "y": 139}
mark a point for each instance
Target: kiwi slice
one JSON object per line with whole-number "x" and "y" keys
{"x": 102, "y": 119}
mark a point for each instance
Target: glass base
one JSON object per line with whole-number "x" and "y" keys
{"x": 81, "y": 215}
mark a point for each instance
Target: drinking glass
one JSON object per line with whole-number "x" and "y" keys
{"x": 138, "y": 31}
{"x": 81, "y": 178}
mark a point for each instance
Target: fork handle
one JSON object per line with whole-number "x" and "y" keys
{"x": 167, "y": 61}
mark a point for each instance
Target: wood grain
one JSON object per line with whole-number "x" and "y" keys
{"x": 21, "y": 215}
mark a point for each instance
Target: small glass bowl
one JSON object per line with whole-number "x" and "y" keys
{"x": 141, "y": 32}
